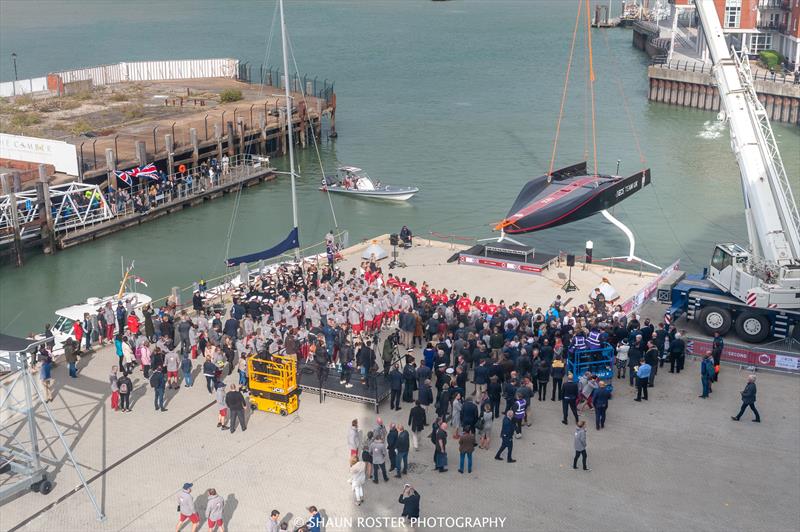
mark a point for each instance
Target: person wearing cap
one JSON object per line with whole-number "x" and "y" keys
{"x": 186, "y": 509}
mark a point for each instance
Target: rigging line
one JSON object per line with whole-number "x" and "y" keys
{"x": 591, "y": 82}
{"x": 621, "y": 86}
{"x": 566, "y": 85}
{"x": 313, "y": 136}
{"x": 585, "y": 104}
{"x": 237, "y": 201}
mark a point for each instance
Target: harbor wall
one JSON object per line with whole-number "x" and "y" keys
{"x": 692, "y": 85}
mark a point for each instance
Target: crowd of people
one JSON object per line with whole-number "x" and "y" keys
{"x": 462, "y": 363}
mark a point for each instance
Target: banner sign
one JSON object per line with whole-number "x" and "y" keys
{"x": 747, "y": 355}
{"x": 62, "y": 155}
{"x": 635, "y": 302}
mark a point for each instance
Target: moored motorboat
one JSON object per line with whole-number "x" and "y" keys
{"x": 355, "y": 182}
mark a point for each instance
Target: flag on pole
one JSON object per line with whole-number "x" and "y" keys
{"x": 139, "y": 280}
{"x": 149, "y": 171}
{"x": 125, "y": 177}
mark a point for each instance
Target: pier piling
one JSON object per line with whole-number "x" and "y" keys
{"x": 12, "y": 198}
{"x": 111, "y": 165}
{"x": 45, "y": 211}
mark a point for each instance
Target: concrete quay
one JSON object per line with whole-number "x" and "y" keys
{"x": 675, "y": 462}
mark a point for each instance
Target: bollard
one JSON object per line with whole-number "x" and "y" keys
{"x": 111, "y": 165}
{"x": 195, "y": 147}
{"x": 141, "y": 152}
{"x": 46, "y": 212}
{"x": 12, "y": 198}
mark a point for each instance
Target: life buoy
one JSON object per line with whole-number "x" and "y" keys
{"x": 182, "y": 168}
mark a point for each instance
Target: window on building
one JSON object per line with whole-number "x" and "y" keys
{"x": 733, "y": 13}
{"x": 760, "y": 42}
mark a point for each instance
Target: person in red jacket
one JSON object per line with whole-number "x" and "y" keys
{"x": 77, "y": 331}
{"x": 133, "y": 323}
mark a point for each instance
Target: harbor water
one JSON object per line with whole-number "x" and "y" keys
{"x": 458, "y": 98}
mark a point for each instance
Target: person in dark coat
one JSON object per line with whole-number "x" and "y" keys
{"x": 507, "y": 437}
{"x": 425, "y": 395}
{"x": 634, "y": 355}
{"x": 569, "y": 398}
{"x": 409, "y": 382}
{"x": 749, "y": 400}
{"x": 396, "y": 386}
{"x": 601, "y": 396}
{"x": 417, "y": 420}
{"x": 495, "y": 390}
{"x": 469, "y": 414}
{"x": 716, "y": 351}
{"x": 557, "y": 371}
{"x": 391, "y": 445}
{"x": 677, "y": 354}
{"x": 651, "y": 357}
{"x": 410, "y": 501}
{"x": 402, "y": 445}
{"x": 543, "y": 377}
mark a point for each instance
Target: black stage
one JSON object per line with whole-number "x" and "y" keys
{"x": 508, "y": 257}
{"x": 308, "y": 381}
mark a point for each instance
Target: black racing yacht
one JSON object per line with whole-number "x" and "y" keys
{"x": 567, "y": 195}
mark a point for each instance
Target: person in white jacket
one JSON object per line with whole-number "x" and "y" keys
{"x": 358, "y": 476}
{"x": 354, "y": 439}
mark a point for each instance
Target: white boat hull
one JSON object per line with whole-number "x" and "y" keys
{"x": 388, "y": 193}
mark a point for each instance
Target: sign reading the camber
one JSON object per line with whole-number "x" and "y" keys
{"x": 62, "y": 155}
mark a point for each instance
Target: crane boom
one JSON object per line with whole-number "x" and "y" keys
{"x": 773, "y": 221}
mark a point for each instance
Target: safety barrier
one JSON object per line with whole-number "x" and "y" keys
{"x": 749, "y": 356}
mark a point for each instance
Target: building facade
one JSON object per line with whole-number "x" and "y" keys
{"x": 761, "y": 25}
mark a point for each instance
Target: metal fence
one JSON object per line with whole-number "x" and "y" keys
{"x": 319, "y": 88}
{"x": 660, "y": 61}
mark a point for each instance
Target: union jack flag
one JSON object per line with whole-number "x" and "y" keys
{"x": 125, "y": 177}
{"x": 149, "y": 171}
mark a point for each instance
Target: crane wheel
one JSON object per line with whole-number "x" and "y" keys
{"x": 715, "y": 319}
{"x": 752, "y": 327}
{"x": 46, "y": 487}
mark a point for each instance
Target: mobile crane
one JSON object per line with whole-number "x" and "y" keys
{"x": 755, "y": 289}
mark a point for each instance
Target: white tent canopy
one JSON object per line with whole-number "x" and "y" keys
{"x": 374, "y": 251}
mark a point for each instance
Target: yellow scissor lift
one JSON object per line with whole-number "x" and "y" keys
{"x": 273, "y": 384}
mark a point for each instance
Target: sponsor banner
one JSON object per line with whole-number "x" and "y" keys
{"x": 508, "y": 265}
{"x": 635, "y": 302}
{"x": 61, "y": 155}
{"x": 748, "y": 356}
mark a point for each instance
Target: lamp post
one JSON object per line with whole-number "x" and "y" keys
{"x": 16, "y": 78}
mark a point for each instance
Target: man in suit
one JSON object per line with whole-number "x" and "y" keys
{"x": 601, "y": 397}
{"x": 416, "y": 422}
{"x": 507, "y": 437}
{"x": 651, "y": 357}
{"x": 677, "y": 354}
{"x": 396, "y": 385}
{"x": 749, "y": 399}
{"x": 569, "y": 398}
{"x": 634, "y": 354}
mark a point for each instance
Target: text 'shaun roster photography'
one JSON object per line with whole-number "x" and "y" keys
{"x": 399, "y": 265}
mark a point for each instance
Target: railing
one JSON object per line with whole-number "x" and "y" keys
{"x": 706, "y": 68}
{"x": 183, "y": 187}
{"x": 322, "y": 89}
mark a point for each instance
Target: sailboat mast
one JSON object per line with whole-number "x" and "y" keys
{"x": 290, "y": 139}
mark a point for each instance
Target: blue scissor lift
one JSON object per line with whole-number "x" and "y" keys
{"x": 599, "y": 361}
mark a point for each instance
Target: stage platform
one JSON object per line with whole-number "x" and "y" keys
{"x": 507, "y": 257}
{"x": 308, "y": 381}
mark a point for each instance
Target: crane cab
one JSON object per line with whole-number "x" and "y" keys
{"x": 727, "y": 270}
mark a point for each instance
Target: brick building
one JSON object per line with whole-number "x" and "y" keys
{"x": 761, "y": 25}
